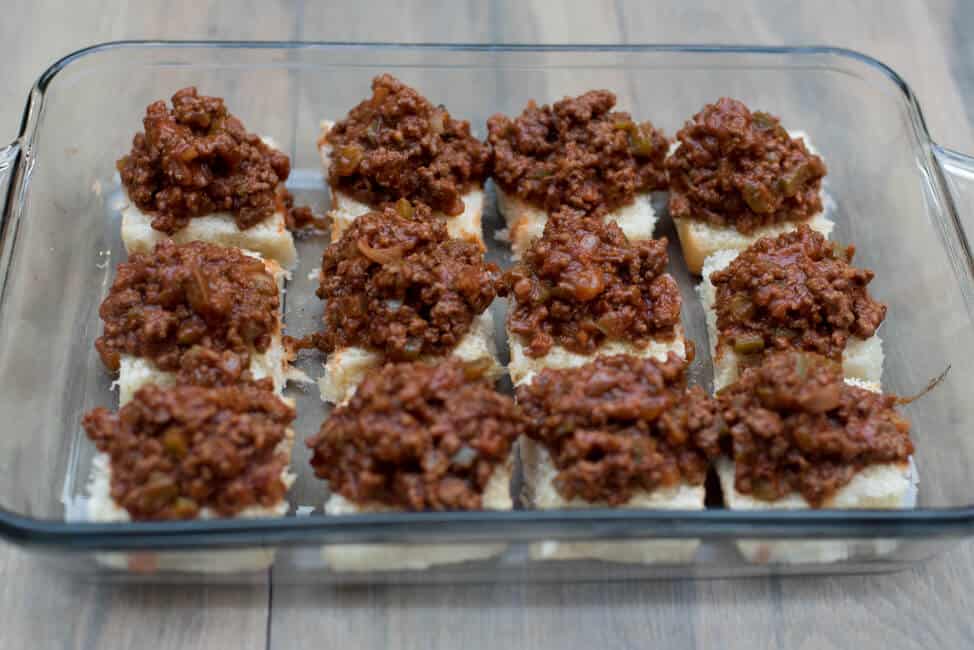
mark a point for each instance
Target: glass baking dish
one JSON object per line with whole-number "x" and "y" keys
{"x": 894, "y": 193}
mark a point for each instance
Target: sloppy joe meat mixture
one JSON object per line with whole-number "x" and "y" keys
{"x": 621, "y": 424}
{"x": 794, "y": 291}
{"x": 583, "y": 282}
{"x": 734, "y": 168}
{"x": 795, "y": 425}
{"x": 578, "y": 153}
{"x": 396, "y": 282}
{"x": 397, "y": 145}
{"x": 424, "y": 437}
{"x": 417, "y": 437}
{"x": 197, "y": 309}
{"x": 177, "y": 450}
{"x": 195, "y": 159}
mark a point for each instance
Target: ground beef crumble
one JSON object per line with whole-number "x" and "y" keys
{"x": 583, "y": 282}
{"x": 578, "y": 153}
{"x": 196, "y": 159}
{"x": 165, "y": 305}
{"x": 621, "y": 424}
{"x": 797, "y": 290}
{"x": 202, "y": 366}
{"x": 795, "y": 425}
{"x": 176, "y": 450}
{"x": 301, "y": 219}
{"x": 396, "y": 282}
{"x": 396, "y": 145}
{"x": 741, "y": 169}
{"x": 417, "y": 437}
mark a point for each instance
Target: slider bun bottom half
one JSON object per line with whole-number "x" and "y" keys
{"x": 270, "y": 238}
{"x": 539, "y": 471}
{"x": 135, "y": 372}
{"x": 523, "y": 368}
{"x": 345, "y": 209}
{"x": 862, "y": 358}
{"x": 526, "y": 222}
{"x": 101, "y": 508}
{"x": 539, "y": 475}
{"x": 345, "y": 368}
{"x": 414, "y": 557}
{"x": 888, "y": 486}
{"x": 699, "y": 240}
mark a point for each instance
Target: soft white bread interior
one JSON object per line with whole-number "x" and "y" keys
{"x": 270, "y": 237}
{"x": 880, "y": 487}
{"x": 414, "y": 557}
{"x": 345, "y": 368}
{"x": 539, "y": 472}
{"x": 135, "y": 372}
{"x": 345, "y": 209}
{"x": 539, "y": 491}
{"x": 861, "y": 359}
{"x": 700, "y": 240}
{"x": 522, "y": 368}
{"x": 526, "y": 222}
{"x": 101, "y": 508}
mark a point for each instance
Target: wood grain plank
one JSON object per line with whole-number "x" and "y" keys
{"x": 926, "y": 42}
{"x": 41, "y": 607}
{"x": 872, "y": 611}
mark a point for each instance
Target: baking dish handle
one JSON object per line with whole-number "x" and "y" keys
{"x": 958, "y": 172}
{"x": 8, "y": 164}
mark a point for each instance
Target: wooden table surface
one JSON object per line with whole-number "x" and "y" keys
{"x": 928, "y": 607}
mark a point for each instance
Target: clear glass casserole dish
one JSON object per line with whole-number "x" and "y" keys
{"x": 894, "y": 193}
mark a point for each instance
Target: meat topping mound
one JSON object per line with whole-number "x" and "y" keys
{"x": 578, "y": 153}
{"x": 583, "y": 283}
{"x": 397, "y": 145}
{"x": 396, "y": 282}
{"x": 738, "y": 169}
{"x": 797, "y": 290}
{"x": 175, "y": 451}
{"x": 196, "y": 159}
{"x": 621, "y": 424}
{"x": 795, "y": 425}
{"x": 163, "y": 305}
{"x": 418, "y": 437}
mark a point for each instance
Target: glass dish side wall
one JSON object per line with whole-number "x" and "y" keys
{"x": 62, "y": 243}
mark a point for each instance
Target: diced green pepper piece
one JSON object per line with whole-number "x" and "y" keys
{"x": 757, "y": 197}
{"x": 748, "y": 344}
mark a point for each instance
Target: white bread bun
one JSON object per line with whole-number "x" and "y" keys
{"x": 522, "y": 368}
{"x": 539, "y": 486}
{"x": 101, "y": 508}
{"x": 135, "y": 372}
{"x": 345, "y": 368}
{"x": 699, "y": 239}
{"x": 345, "y": 209}
{"x": 406, "y": 557}
{"x": 882, "y": 486}
{"x": 539, "y": 472}
{"x": 526, "y": 222}
{"x": 270, "y": 237}
{"x": 861, "y": 359}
